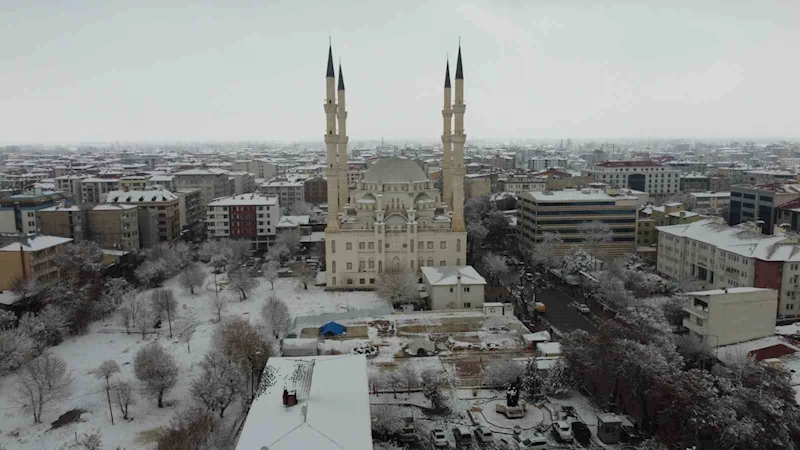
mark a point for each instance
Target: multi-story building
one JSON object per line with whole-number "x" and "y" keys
{"x": 731, "y": 315}
{"x": 288, "y": 192}
{"x": 692, "y": 182}
{"x": 452, "y": 287}
{"x": 540, "y": 163}
{"x": 723, "y": 256}
{"x": 190, "y": 207}
{"x": 502, "y": 161}
{"x": 562, "y": 212}
{"x": 760, "y": 203}
{"x": 115, "y": 226}
{"x": 518, "y": 184}
{"x": 31, "y": 259}
{"x": 243, "y": 182}
{"x": 316, "y": 189}
{"x": 646, "y": 176}
{"x": 165, "y": 181}
{"x": 478, "y": 184}
{"x": 94, "y": 190}
{"x": 213, "y": 183}
{"x": 646, "y": 233}
{"x": 250, "y": 216}
{"x": 711, "y": 200}
{"x": 64, "y": 221}
{"x": 70, "y": 185}
{"x": 18, "y": 212}
{"x": 161, "y": 204}
{"x": 769, "y": 176}
{"x": 134, "y": 182}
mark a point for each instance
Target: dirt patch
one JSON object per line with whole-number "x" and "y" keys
{"x": 149, "y": 436}
{"x": 468, "y": 369}
{"x": 68, "y": 418}
{"x": 383, "y": 365}
{"x": 354, "y": 332}
{"x": 458, "y": 327}
{"x": 385, "y": 327}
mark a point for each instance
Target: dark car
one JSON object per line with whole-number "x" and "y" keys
{"x": 581, "y": 432}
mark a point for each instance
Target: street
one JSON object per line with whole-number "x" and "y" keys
{"x": 561, "y": 314}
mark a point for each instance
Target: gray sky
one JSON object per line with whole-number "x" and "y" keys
{"x": 100, "y": 71}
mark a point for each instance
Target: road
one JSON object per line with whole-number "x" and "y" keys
{"x": 561, "y": 314}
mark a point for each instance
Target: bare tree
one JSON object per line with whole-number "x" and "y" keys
{"x": 132, "y": 306}
{"x": 26, "y": 289}
{"x": 271, "y": 272}
{"x": 41, "y": 381}
{"x": 291, "y": 240}
{"x": 248, "y": 347}
{"x": 494, "y": 264}
{"x": 240, "y": 250}
{"x": 185, "y": 329}
{"x": 219, "y": 262}
{"x": 157, "y": 369}
{"x": 219, "y": 304}
{"x": 144, "y": 321}
{"x": 195, "y": 428}
{"x": 304, "y": 273}
{"x": 595, "y": 233}
{"x": 192, "y": 277}
{"x": 105, "y": 372}
{"x": 545, "y": 251}
{"x": 162, "y": 301}
{"x": 410, "y": 377}
{"x": 276, "y": 315}
{"x": 242, "y": 283}
{"x": 123, "y": 396}
{"x": 501, "y": 373}
{"x": 152, "y": 273}
{"x": 218, "y": 385}
{"x": 397, "y": 286}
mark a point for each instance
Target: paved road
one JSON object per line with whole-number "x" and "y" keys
{"x": 561, "y": 314}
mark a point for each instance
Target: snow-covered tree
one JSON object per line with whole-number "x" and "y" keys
{"x": 163, "y": 302}
{"x": 26, "y": 289}
{"x": 276, "y": 316}
{"x": 594, "y": 234}
{"x": 42, "y": 381}
{"x": 242, "y": 283}
{"x": 613, "y": 293}
{"x": 476, "y": 232}
{"x": 219, "y": 262}
{"x": 185, "y": 329}
{"x": 192, "y": 277}
{"x": 496, "y": 224}
{"x": 545, "y": 251}
{"x": 494, "y": 264}
{"x": 152, "y": 272}
{"x": 270, "y": 270}
{"x": 132, "y": 305}
{"x": 557, "y": 379}
{"x": 289, "y": 239}
{"x": 673, "y": 309}
{"x": 123, "y": 397}
{"x": 107, "y": 370}
{"x": 240, "y": 251}
{"x": 532, "y": 382}
{"x": 305, "y": 273}
{"x": 218, "y": 384}
{"x": 81, "y": 262}
{"x": 432, "y": 390}
{"x": 501, "y": 373}
{"x": 248, "y": 347}
{"x": 157, "y": 370}
{"x": 114, "y": 291}
{"x": 410, "y": 377}
{"x": 577, "y": 260}
{"x": 397, "y": 286}
{"x": 386, "y": 420}
{"x": 47, "y": 328}
{"x": 16, "y": 347}
{"x": 278, "y": 253}
{"x": 144, "y": 321}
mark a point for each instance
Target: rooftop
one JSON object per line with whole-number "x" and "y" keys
{"x": 202, "y": 171}
{"x": 35, "y": 243}
{"x": 292, "y": 221}
{"x": 146, "y": 196}
{"x": 448, "y": 275}
{"x": 733, "y": 290}
{"x": 112, "y": 207}
{"x": 394, "y": 170}
{"x": 245, "y": 199}
{"x": 647, "y": 163}
{"x": 574, "y": 195}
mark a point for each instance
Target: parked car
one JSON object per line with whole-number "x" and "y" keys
{"x": 537, "y": 441}
{"x": 484, "y": 435}
{"x": 408, "y": 433}
{"x": 583, "y": 308}
{"x": 507, "y": 443}
{"x": 438, "y": 439}
{"x": 562, "y": 431}
{"x": 463, "y": 437}
{"x": 581, "y": 432}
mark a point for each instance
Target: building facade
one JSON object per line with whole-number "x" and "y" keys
{"x": 160, "y": 205}
{"x": 250, "y": 216}
{"x": 645, "y": 176}
{"x": 94, "y": 190}
{"x": 316, "y": 190}
{"x": 540, "y": 163}
{"x": 731, "y": 315}
{"x": 213, "y": 183}
{"x": 288, "y": 192}
{"x": 114, "y": 226}
{"x": 64, "y": 221}
{"x": 34, "y": 258}
{"x": 711, "y": 200}
{"x": 760, "y": 203}
{"x": 452, "y": 287}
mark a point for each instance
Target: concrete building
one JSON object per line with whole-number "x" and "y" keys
{"x": 250, "y": 216}
{"x": 70, "y": 185}
{"x": 518, "y": 184}
{"x": 672, "y": 213}
{"x": 64, "y": 221}
{"x": 190, "y": 207}
{"x": 152, "y": 203}
{"x": 18, "y": 212}
{"x": 711, "y": 200}
{"x": 562, "y": 212}
{"x": 731, "y": 315}
{"x": 260, "y": 168}
{"x": 134, "y": 182}
{"x": 213, "y": 183}
{"x": 760, "y": 203}
{"x": 769, "y": 176}
{"x": 452, "y": 287}
{"x": 115, "y": 226}
{"x": 646, "y": 176}
{"x": 316, "y": 189}
{"x": 31, "y": 259}
{"x": 288, "y": 192}
{"x": 165, "y": 181}
{"x": 693, "y": 182}
{"x": 723, "y": 256}
{"x": 94, "y": 190}
{"x": 478, "y": 184}
{"x": 540, "y": 163}
{"x": 243, "y": 182}
{"x": 395, "y": 217}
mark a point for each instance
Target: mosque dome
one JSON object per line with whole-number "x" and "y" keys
{"x": 394, "y": 170}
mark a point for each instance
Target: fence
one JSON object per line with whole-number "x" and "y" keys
{"x": 320, "y": 319}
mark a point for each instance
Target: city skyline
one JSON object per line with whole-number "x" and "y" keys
{"x": 536, "y": 72}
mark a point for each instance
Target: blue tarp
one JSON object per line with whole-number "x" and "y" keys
{"x": 332, "y": 329}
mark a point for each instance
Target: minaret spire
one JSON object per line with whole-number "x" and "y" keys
{"x": 459, "y": 138}
{"x": 331, "y": 141}
{"x": 459, "y": 69}
{"x": 447, "y": 76}
{"x": 447, "y": 143}
{"x": 341, "y": 77}
{"x": 331, "y": 73}
{"x": 341, "y": 116}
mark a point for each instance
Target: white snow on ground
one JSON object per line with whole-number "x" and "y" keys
{"x": 107, "y": 340}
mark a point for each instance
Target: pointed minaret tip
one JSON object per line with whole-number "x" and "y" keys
{"x": 447, "y": 76}
{"x": 341, "y": 77}
{"x": 459, "y": 70}
{"x": 331, "y": 72}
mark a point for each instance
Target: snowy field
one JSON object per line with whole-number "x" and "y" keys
{"x": 108, "y": 340}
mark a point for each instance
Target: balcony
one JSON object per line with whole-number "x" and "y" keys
{"x": 697, "y": 311}
{"x": 688, "y": 323}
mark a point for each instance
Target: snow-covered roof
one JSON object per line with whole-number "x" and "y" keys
{"x": 202, "y": 171}
{"x": 710, "y": 194}
{"x": 336, "y": 407}
{"x": 72, "y": 208}
{"x": 35, "y": 243}
{"x": 245, "y": 199}
{"x": 146, "y": 196}
{"x": 574, "y": 195}
{"x": 293, "y": 221}
{"x": 539, "y": 336}
{"x": 112, "y": 207}
{"x": 733, "y": 290}
{"x": 549, "y": 348}
{"x": 100, "y": 180}
{"x": 448, "y": 275}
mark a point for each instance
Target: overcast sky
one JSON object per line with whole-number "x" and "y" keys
{"x": 78, "y": 71}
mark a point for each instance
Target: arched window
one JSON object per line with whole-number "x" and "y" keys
{"x": 458, "y": 245}
{"x": 380, "y": 266}
{"x": 333, "y": 267}
{"x": 412, "y": 264}
{"x": 458, "y": 261}
{"x": 333, "y": 246}
{"x": 430, "y": 261}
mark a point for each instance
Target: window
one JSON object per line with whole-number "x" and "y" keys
{"x": 430, "y": 261}
{"x": 349, "y": 281}
{"x": 349, "y": 266}
{"x": 466, "y": 289}
{"x": 333, "y": 267}
{"x": 458, "y": 245}
{"x": 412, "y": 246}
{"x": 458, "y": 261}
{"x": 348, "y": 246}
{"x": 371, "y": 246}
{"x": 360, "y": 281}
{"x": 451, "y": 288}
{"x": 442, "y": 263}
{"x": 361, "y": 265}
{"x": 380, "y": 245}
{"x": 467, "y": 305}
{"x": 371, "y": 264}
{"x": 372, "y": 281}
{"x": 361, "y": 246}
{"x": 333, "y": 248}
{"x": 430, "y": 245}
{"x": 442, "y": 245}
{"x": 412, "y": 264}
{"x": 421, "y": 245}
{"x": 333, "y": 281}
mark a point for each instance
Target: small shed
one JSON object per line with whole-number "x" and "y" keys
{"x": 299, "y": 347}
{"x": 608, "y": 427}
{"x": 332, "y": 329}
{"x": 548, "y": 349}
{"x": 421, "y": 347}
{"x": 534, "y": 338}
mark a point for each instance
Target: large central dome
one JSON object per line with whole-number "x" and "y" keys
{"x": 394, "y": 170}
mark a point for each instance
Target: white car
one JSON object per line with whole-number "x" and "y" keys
{"x": 484, "y": 435}
{"x": 562, "y": 431}
{"x": 438, "y": 439}
{"x": 583, "y": 308}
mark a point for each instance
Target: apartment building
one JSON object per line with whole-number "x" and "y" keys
{"x": 711, "y": 200}
{"x": 502, "y": 161}
{"x": 562, "y": 212}
{"x": 70, "y": 185}
{"x": 260, "y": 168}
{"x": 249, "y": 216}
{"x": 18, "y": 212}
{"x": 478, "y": 184}
{"x": 165, "y": 181}
{"x": 769, "y": 176}
{"x": 243, "y": 182}
{"x": 693, "y": 182}
{"x": 213, "y": 183}
{"x": 760, "y": 203}
{"x": 740, "y": 256}
{"x": 646, "y": 176}
{"x": 540, "y": 163}
{"x": 518, "y": 184}
{"x": 134, "y": 182}
{"x": 94, "y": 190}
{"x": 731, "y": 315}
{"x": 64, "y": 221}
{"x": 288, "y": 192}
{"x": 316, "y": 190}
{"x": 157, "y": 204}
{"x": 115, "y": 226}
{"x": 33, "y": 258}
{"x": 190, "y": 207}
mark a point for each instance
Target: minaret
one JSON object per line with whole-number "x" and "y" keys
{"x": 458, "y": 139}
{"x": 447, "y": 115}
{"x": 331, "y": 139}
{"x": 342, "y": 152}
